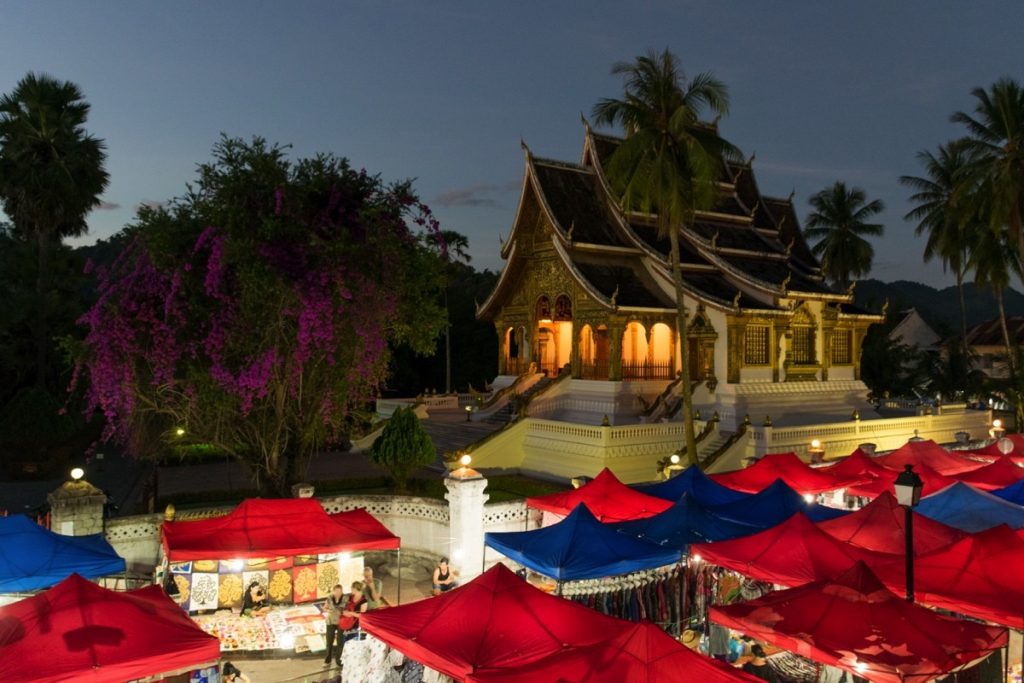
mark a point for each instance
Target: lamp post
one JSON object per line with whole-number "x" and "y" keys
{"x": 817, "y": 451}
{"x": 997, "y": 429}
{"x": 908, "y": 494}
{"x": 469, "y": 413}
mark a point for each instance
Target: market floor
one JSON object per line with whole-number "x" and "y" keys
{"x": 312, "y": 669}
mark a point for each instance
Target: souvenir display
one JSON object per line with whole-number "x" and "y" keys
{"x": 230, "y": 591}
{"x": 204, "y": 592}
{"x": 184, "y": 585}
{"x": 304, "y": 583}
{"x": 299, "y": 627}
{"x": 262, "y": 577}
{"x": 326, "y": 578}
{"x": 280, "y": 586}
{"x": 205, "y": 566}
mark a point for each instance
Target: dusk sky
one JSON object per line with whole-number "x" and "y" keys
{"x": 442, "y": 91}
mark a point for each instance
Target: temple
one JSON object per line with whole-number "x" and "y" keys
{"x": 586, "y": 294}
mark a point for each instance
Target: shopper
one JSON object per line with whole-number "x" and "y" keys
{"x": 443, "y": 579}
{"x": 334, "y": 605}
{"x": 758, "y": 665}
{"x": 231, "y": 674}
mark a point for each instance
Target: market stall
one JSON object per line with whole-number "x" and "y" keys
{"x": 79, "y": 631}
{"x": 686, "y": 522}
{"x": 33, "y": 557}
{"x": 880, "y": 526}
{"x": 788, "y": 467}
{"x": 968, "y": 509}
{"x": 999, "y": 474}
{"x": 291, "y": 548}
{"x": 605, "y": 496}
{"x": 495, "y": 622}
{"x": 856, "y": 467}
{"x": 927, "y": 452}
{"x": 978, "y": 576}
{"x": 1013, "y": 493}
{"x": 932, "y": 481}
{"x": 581, "y": 547}
{"x": 772, "y": 505}
{"x": 854, "y": 623}
{"x": 642, "y": 653}
{"x": 793, "y": 553}
{"x": 694, "y": 483}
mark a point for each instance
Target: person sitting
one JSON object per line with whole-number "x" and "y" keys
{"x": 758, "y": 665}
{"x": 254, "y": 604}
{"x": 373, "y": 590}
{"x": 443, "y": 579}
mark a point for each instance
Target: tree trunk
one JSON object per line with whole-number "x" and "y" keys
{"x": 41, "y": 317}
{"x": 1010, "y": 352}
{"x": 963, "y": 312}
{"x": 447, "y": 345}
{"x": 677, "y": 279}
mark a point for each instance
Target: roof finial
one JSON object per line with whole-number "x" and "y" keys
{"x": 615, "y": 295}
{"x": 736, "y": 299}
{"x": 501, "y": 241}
{"x": 792, "y": 241}
{"x": 714, "y": 240}
{"x": 757, "y": 206}
{"x": 586, "y": 124}
{"x": 785, "y": 282}
{"x": 791, "y": 195}
{"x": 885, "y": 307}
{"x": 568, "y": 235}
{"x": 849, "y": 290}
{"x": 526, "y": 148}
{"x": 750, "y": 161}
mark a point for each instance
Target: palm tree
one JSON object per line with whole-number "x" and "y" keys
{"x": 51, "y": 176}
{"x": 995, "y": 262}
{"x": 940, "y": 215}
{"x": 839, "y": 222}
{"x": 996, "y": 137}
{"x": 669, "y": 162}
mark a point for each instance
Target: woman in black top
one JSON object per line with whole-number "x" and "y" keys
{"x": 758, "y": 665}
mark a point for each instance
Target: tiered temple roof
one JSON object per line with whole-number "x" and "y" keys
{"x": 748, "y": 253}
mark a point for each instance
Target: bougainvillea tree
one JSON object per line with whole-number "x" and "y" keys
{"x": 256, "y": 311}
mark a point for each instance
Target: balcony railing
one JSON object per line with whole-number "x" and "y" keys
{"x": 646, "y": 370}
{"x": 596, "y": 370}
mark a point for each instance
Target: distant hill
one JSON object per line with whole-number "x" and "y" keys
{"x": 939, "y": 307}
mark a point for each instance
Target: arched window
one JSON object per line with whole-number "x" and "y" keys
{"x": 563, "y": 309}
{"x": 544, "y": 310}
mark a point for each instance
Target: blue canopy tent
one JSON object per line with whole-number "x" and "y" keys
{"x": 32, "y": 557}
{"x": 966, "y": 508}
{"x": 699, "y": 486}
{"x": 580, "y": 547}
{"x": 684, "y": 523}
{"x": 1013, "y": 493}
{"x": 774, "y": 504}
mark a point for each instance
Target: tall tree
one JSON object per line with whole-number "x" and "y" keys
{"x": 669, "y": 163}
{"x": 840, "y": 224}
{"x": 995, "y": 263}
{"x": 941, "y": 215}
{"x": 457, "y": 247}
{"x": 257, "y": 311}
{"x": 51, "y": 176}
{"x": 995, "y": 135}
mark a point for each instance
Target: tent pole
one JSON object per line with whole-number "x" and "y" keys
{"x": 398, "y": 599}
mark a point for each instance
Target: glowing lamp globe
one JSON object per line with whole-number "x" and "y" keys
{"x": 77, "y": 473}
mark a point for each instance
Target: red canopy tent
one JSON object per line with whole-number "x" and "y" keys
{"x": 991, "y": 452}
{"x": 927, "y": 452}
{"x": 855, "y": 468}
{"x": 79, "y": 631}
{"x": 261, "y": 528}
{"x": 788, "y": 467}
{"x": 642, "y": 653}
{"x": 997, "y": 475}
{"x": 879, "y": 526}
{"x": 978, "y": 576}
{"x": 792, "y": 553}
{"x": 498, "y": 621}
{"x": 932, "y": 480}
{"x": 853, "y": 622}
{"x": 606, "y": 497}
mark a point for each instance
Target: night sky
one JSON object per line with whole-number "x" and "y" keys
{"x": 443, "y": 92}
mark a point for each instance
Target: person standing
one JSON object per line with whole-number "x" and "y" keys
{"x": 443, "y": 579}
{"x": 334, "y": 605}
{"x": 373, "y": 590}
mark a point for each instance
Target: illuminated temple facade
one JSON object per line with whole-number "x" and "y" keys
{"x": 586, "y": 290}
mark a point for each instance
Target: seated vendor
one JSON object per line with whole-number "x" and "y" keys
{"x": 443, "y": 579}
{"x": 254, "y": 603}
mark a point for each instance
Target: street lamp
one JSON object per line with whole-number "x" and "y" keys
{"x": 997, "y": 429}
{"x": 908, "y": 494}
{"x": 817, "y": 451}
{"x": 77, "y": 473}
{"x": 469, "y": 413}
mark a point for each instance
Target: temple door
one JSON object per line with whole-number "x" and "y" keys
{"x": 601, "y": 351}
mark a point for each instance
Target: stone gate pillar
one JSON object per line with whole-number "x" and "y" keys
{"x": 466, "y": 500}
{"x": 76, "y": 509}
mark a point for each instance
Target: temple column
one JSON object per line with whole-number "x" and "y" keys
{"x": 615, "y": 333}
{"x": 574, "y": 358}
{"x": 777, "y": 332}
{"x": 502, "y": 350}
{"x": 735, "y": 342}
